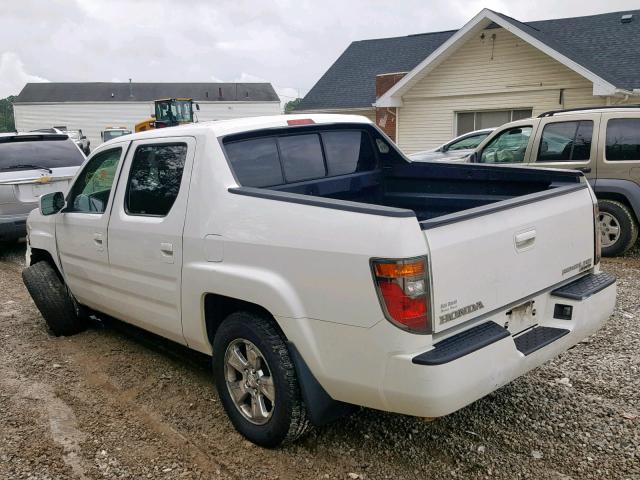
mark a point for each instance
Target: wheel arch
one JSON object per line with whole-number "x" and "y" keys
{"x": 42, "y": 255}
{"x": 322, "y": 408}
{"x": 623, "y": 191}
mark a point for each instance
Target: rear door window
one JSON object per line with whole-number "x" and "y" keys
{"x": 566, "y": 141}
{"x": 348, "y": 152}
{"x": 255, "y": 162}
{"x": 301, "y": 157}
{"x": 623, "y": 139}
{"x": 154, "y": 179}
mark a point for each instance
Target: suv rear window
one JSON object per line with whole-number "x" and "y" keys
{"x": 623, "y": 139}
{"x": 56, "y": 153}
{"x": 277, "y": 159}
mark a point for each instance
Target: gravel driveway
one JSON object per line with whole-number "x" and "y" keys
{"x": 115, "y": 403}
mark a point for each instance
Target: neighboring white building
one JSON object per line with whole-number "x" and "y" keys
{"x": 92, "y": 107}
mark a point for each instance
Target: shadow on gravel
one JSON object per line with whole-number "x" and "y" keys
{"x": 12, "y": 252}
{"x": 151, "y": 341}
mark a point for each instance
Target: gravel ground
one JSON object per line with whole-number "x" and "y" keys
{"x": 116, "y": 403}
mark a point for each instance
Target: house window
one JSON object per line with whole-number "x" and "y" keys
{"x": 470, "y": 121}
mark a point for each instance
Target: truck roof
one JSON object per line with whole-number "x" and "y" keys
{"x": 237, "y": 125}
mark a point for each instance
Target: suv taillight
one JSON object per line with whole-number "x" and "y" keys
{"x": 597, "y": 241}
{"x": 402, "y": 287}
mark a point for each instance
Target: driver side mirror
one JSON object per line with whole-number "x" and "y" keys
{"x": 473, "y": 158}
{"x": 51, "y": 203}
{"x": 83, "y": 137}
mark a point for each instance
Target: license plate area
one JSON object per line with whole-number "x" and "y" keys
{"x": 521, "y": 318}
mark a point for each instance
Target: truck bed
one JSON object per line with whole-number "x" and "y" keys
{"x": 436, "y": 190}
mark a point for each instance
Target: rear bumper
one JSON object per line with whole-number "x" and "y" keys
{"x": 12, "y": 227}
{"x": 434, "y": 388}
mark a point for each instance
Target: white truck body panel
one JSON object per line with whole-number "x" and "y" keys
{"x": 310, "y": 268}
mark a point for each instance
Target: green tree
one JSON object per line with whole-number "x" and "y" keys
{"x": 7, "y": 123}
{"x": 291, "y": 105}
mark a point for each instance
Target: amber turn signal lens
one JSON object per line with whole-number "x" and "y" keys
{"x": 397, "y": 270}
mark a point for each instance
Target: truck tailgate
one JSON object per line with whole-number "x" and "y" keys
{"x": 487, "y": 258}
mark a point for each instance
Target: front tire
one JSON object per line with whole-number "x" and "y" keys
{"x": 58, "y": 308}
{"x": 618, "y": 228}
{"x": 256, "y": 381}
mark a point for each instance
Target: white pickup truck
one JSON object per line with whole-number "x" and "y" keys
{"x": 320, "y": 268}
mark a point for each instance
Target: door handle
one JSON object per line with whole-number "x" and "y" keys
{"x": 525, "y": 240}
{"x": 98, "y": 241}
{"x": 584, "y": 169}
{"x": 166, "y": 252}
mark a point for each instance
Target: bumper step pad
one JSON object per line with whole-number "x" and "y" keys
{"x": 537, "y": 338}
{"x": 462, "y": 344}
{"x": 585, "y": 287}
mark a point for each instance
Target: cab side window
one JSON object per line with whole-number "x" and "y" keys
{"x": 508, "y": 146}
{"x": 90, "y": 192}
{"x": 623, "y": 139}
{"x": 154, "y": 179}
{"x": 566, "y": 141}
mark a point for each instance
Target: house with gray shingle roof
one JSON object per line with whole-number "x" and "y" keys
{"x": 425, "y": 89}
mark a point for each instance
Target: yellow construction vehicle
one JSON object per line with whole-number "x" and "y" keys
{"x": 169, "y": 112}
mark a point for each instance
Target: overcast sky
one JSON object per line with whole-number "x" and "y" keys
{"x": 289, "y": 43}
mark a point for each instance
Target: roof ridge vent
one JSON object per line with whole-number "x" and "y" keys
{"x": 626, "y": 18}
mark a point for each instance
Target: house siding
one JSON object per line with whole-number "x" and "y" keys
{"x": 92, "y": 118}
{"x": 508, "y": 75}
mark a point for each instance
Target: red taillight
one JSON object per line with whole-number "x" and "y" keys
{"x": 402, "y": 289}
{"x": 300, "y": 121}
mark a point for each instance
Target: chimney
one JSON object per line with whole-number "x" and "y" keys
{"x": 386, "y": 116}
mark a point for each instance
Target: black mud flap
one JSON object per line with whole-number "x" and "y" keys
{"x": 322, "y": 409}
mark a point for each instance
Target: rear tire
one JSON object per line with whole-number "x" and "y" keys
{"x": 58, "y": 308}
{"x": 618, "y": 227}
{"x": 286, "y": 418}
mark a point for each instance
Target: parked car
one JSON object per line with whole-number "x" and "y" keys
{"x": 81, "y": 140}
{"x": 602, "y": 142}
{"x": 454, "y": 150}
{"x": 110, "y": 133}
{"x": 321, "y": 268}
{"x": 32, "y": 164}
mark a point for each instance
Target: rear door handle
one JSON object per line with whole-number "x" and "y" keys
{"x": 525, "y": 240}
{"x": 98, "y": 241}
{"x": 585, "y": 169}
{"x": 166, "y": 252}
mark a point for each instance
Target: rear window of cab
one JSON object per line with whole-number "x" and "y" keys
{"x": 278, "y": 159}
